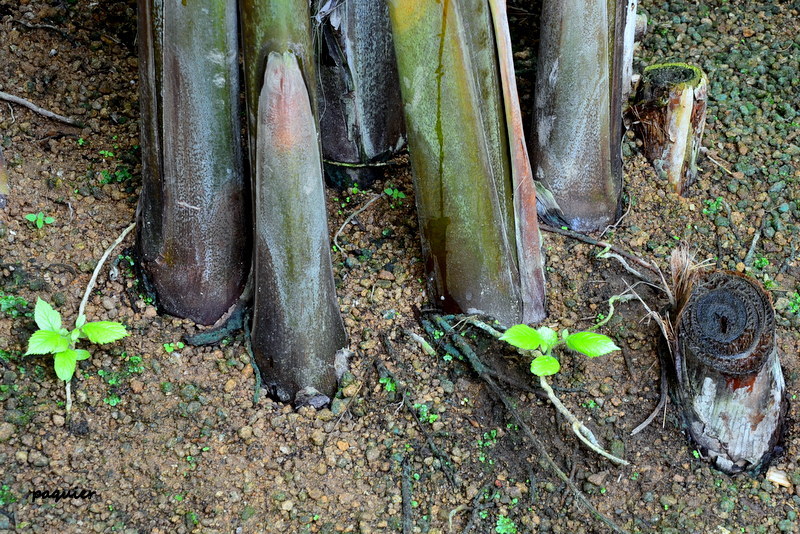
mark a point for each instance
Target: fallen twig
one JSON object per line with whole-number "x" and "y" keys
{"x": 603, "y": 244}
{"x": 401, "y": 389}
{"x": 480, "y": 368}
{"x": 41, "y": 111}
{"x": 706, "y": 153}
{"x": 99, "y": 266}
{"x": 350, "y": 218}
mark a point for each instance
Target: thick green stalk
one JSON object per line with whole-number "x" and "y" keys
{"x": 193, "y": 236}
{"x": 297, "y": 328}
{"x": 459, "y": 152}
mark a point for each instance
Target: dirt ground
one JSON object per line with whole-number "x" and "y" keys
{"x": 167, "y": 438}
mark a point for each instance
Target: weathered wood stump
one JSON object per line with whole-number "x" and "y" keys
{"x": 727, "y": 378}
{"x": 669, "y": 116}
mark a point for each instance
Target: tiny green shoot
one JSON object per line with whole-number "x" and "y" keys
{"x": 39, "y": 219}
{"x": 543, "y": 340}
{"x": 51, "y": 338}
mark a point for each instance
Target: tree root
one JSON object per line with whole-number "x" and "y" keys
{"x": 41, "y": 111}
{"x": 481, "y": 369}
{"x": 603, "y": 244}
{"x": 402, "y": 390}
{"x": 87, "y": 293}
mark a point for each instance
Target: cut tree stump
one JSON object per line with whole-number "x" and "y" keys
{"x": 727, "y": 377}
{"x": 669, "y": 116}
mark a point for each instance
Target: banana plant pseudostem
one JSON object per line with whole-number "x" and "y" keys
{"x": 192, "y": 235}
{"x": 479, "y": 230}
{"x": 297, "y": 327}
{"x": 360, "y": 111}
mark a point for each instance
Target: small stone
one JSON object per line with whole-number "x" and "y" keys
{"x": 385, "y": 275}
{"x": 373, "y": 453}
{"x": 150, "y": 312}
{"x": 230, "y": 385}
{"x": 108, "y": 303}
{"x": 318, "y": 437}
{"x": 21, "y": 457}
{"x": 58, "y": 420}
{"x": 598, "y": 479}
{"x": 287, "y": 505}
{"x": 342, "y": 445}
{"x": 38, "y": 459}
{"x": 137, "y": 386}
{"x": 351, "y": 390}
{"x": 6, "y": 431}
{"x": 338, "y": 406}
{"x": 246, "y": 432}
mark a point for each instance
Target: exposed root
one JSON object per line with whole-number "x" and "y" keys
{"x": 350, "y": 218}
{"x": 581, "y": 431}
{"x": 586, "y": 239}
{"x": 481, "y": 370}
{"x": 99, "y": 266}
{"x": 41, "y": 111}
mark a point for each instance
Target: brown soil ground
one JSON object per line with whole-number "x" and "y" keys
{"x": 174, "y": 442}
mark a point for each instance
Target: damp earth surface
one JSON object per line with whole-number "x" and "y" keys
{"x": 167, "y": 437}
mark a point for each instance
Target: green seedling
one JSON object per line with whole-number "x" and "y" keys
{"x": 761, "y": 263}
{"x": 396, "y": 195}
{"x": 794, "y": 303}
{"x": 7, "y": 496}
{"x": 713, "y": 206}
{"x": 169, "y": 348}
{"x": 14, "y": 306}
{"x": 505, "y": 525}
{"x": 543, "y": 340}
{"x": 424, "y": 413}
{"x": 388, "y": 384}
{"x": 51, "y": 338}
{"x": 39, "y": 219}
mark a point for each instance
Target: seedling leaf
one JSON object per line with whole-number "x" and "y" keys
{"x": 522, "y": 336}
{"x": 46, "y": 342}
{"x": 591, "y": 344}
{"x": 548, "y": 336}
{"x": 31, "y": 217}
{"x": 81, "y": 354}
{"x": 65, "y": 364}
{"x": 46, "y": 317}
{"x": 545, "y": 366}
{"x": 104, "y": 331}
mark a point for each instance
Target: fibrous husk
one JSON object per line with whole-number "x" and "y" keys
{"x": 726, "y": 374}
